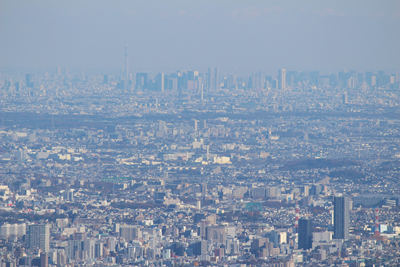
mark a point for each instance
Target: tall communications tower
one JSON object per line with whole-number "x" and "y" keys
{"x": 126, "y": 69}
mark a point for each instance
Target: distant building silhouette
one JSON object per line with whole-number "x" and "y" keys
{"x": 105, "y": 79}
{"x": 29, "y": 81}
{"x": 127, "y": 84}
{"x": 212, "y": 78}
{"x": 281, "y": 79}
{"x": 141, "y": 81}
{"x": 160, "y": 82}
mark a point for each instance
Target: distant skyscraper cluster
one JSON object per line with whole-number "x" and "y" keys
{"x": 212, "y": 79}
{"x": 183, "y": 81}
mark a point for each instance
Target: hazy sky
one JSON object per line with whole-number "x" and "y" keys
{"x": 171, "y": 35}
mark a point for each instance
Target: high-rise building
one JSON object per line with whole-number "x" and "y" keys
{"x": 314, "y": 75}
{"x": 105, "y": 79}
{"x": 216, "y": 233}
{"x": 127, "y": 85}
{"x": 110, "y": 128}
{"x": 258, "y": 192}
{"x": 17, "y": 86}
{"x": 345, "y": 98}
{"x": 141, "y": 81}
{"x": 305, "y": 189}
{"x": 281, "y": 79}
{"x": 212, "y": 78}
{"x": 258, "y": 81}
{"x": 305, "y": 233}
{"x": 44, "y": 260}
{"x": 162, "y": 126}
{"x": 373, "y": 80}
{"x": 68, "y": 195}
{"x": 200, "y": 247}
{"x": 7, "y": 230}
{"x": 166, "y": 82}
{"x": 350, "y": 82}
{"x": 368, "y": 77}
{"x": 203, "y": 124}
{"x": 250, "y": 83}
{"x": 232, "y": 246}
{"x": 258, "y": 243}
{"x": 341, "y": 218}
{"x": 275, "y": 84}
{"x": 173, "y": 83}
{"x": 130, "y": 232}
{"x": 194, "y": 124}
{"x": 316, "y": 189}
{"x": 29, "y": 81}
{"x": 392, "y": 79}
{"x": 160, "y": 82}
{"x": 209, "y": 78}
{"x": 192, "y": 75}
{"x": 270, "y": 192}
{"x": 39, "y": 236}
{"x": 216, "y": 76}
{"x": 360, "y": 79}
{"x": 292, "y": 77}
{"x": 204, "y": 188}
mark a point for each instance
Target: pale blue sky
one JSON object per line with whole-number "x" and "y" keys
{"x": 171, "y": 35}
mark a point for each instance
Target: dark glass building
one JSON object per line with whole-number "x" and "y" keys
{"x": 341, "y": 218}
{"x": 305, "y": 233}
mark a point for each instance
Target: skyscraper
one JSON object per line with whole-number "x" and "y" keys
{"x": 29, "y": 81}
{"x": 345, "y": 98}
{"x": 162, "y": 127}
{"x": 160, "y": 82}
{"x": 39, "y": 236}
{"x": 200, "y": 247}
{"x": 216, "y": 77}
{"x": 105, "y": 79}
{"x": 341, "y": 218}
{"x": 281, "y": 79}
{"x": 17, "y": 86}
{"x": 212, "y": 78}
{"x": 194, "y": 122}
{"x": 209, "y": 79}
{"x": 141, "y": 81}
{"x": 305, "y": 233}
{"x": 44, "y": 260}
{"x": 127, "y": 86}
{"x": 204, "y": 188}
{"x": 314, "y": 75}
